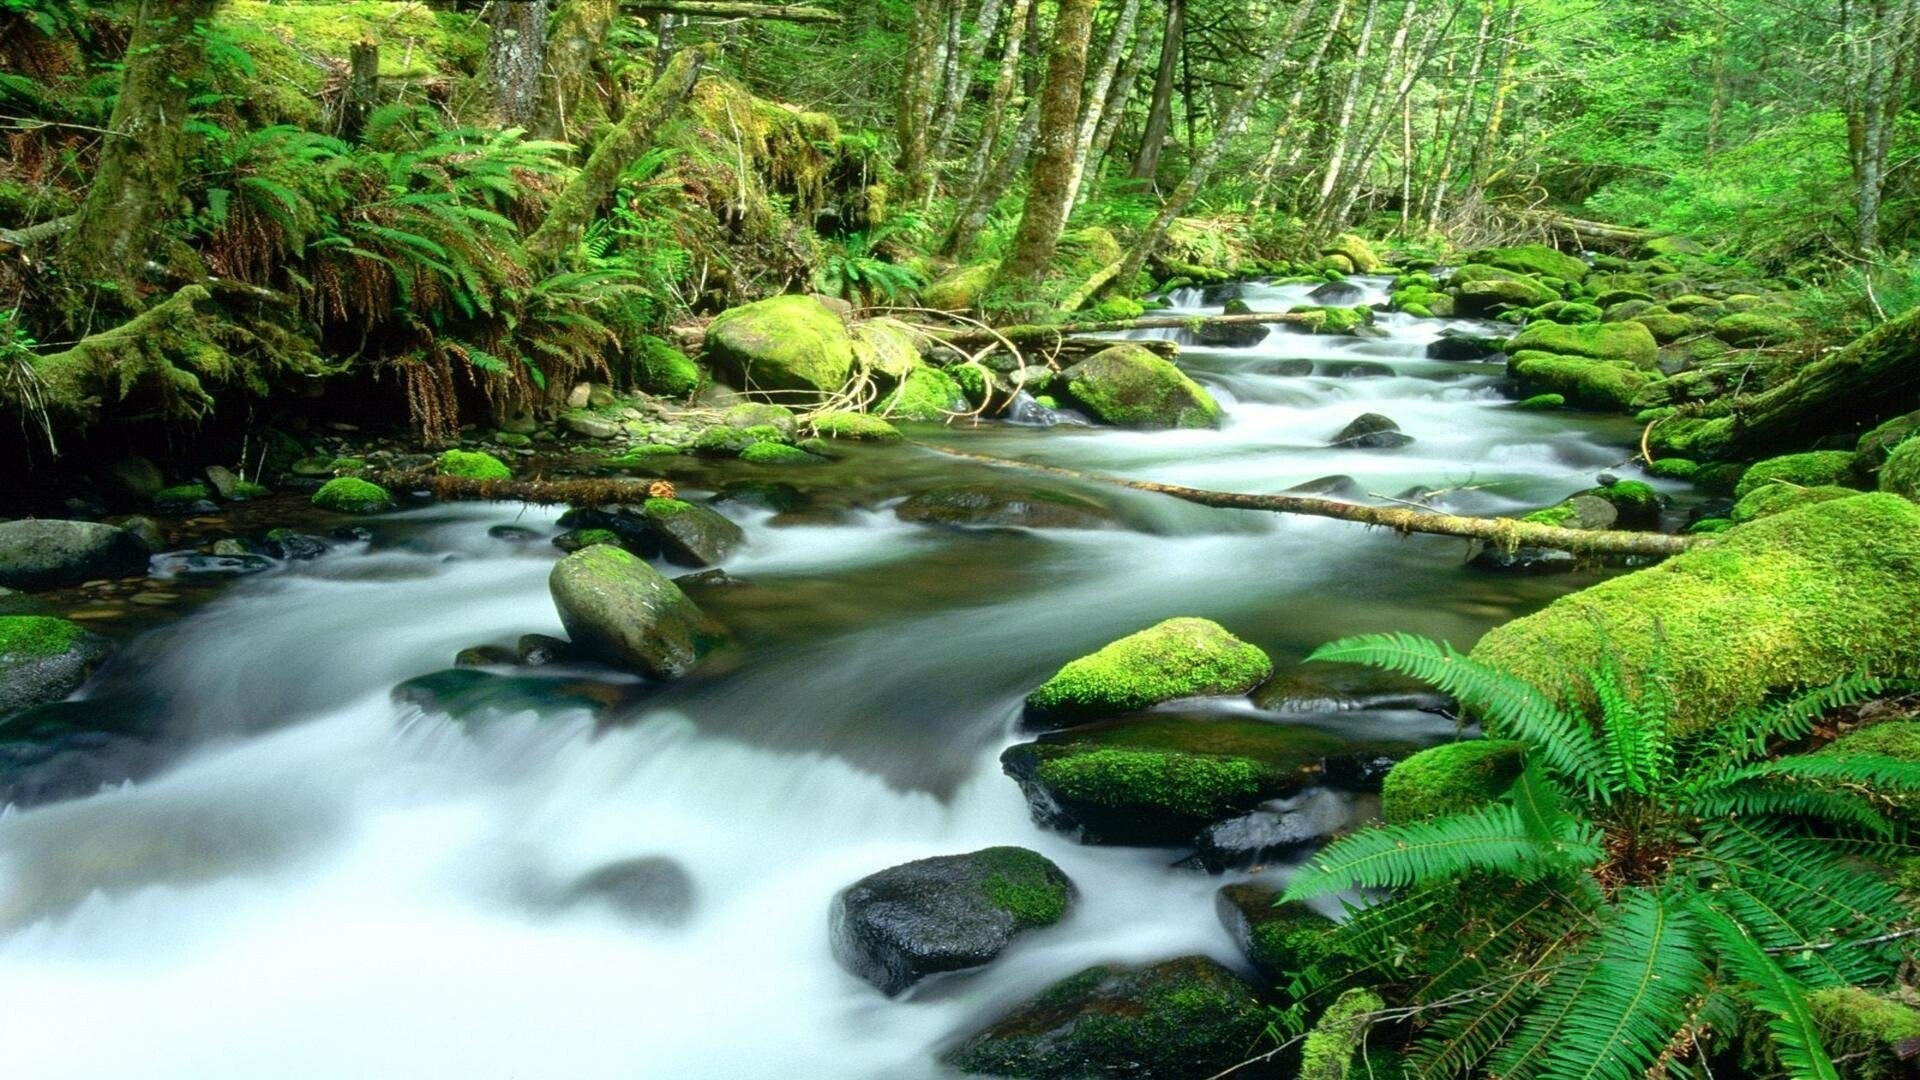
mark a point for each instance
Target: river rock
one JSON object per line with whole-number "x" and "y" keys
{"x": 1231, "y": 335}
{"x": 45, "y": 553}
{"x": 1159, "y": 780}
{"x": 650, "y": 889}
{"x": 72, "y": 749}
{"x": 1337, "y": 486}
{"x": 1371, "y": 431}
{"x": 783, "y": 344}
{"x": 539, "y": 650}
{"x": 1456, "y": 344}
{"x": 1176, "y": 1020}
{"x": 44, "y": 659}
{"x": 1622, "y": 342}
{"x": 1337, "y": 294}
{"x": 1281, "y": 940}
{"x": 690, "y": 534}
{"x": 1128, "y": 386}
{"x": 621, "y": 611}
{"x": 1524, "y": 560}
{"x": 1276, "y": 830}
{"x": 485, "y": 656}
{"x": 947, "y": 913}
{"x": 1178, "y": 658}
{"x": 1002, "y": 506}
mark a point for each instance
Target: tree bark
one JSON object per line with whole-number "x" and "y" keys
{"x": 516, "y": 53}
{"x": 142, "y": 163}
{"x": 1045, "y": 214}
{"x": 1160, "y": 110}
{"x": 1272, "y": 162}
{"x": 961, "y": 81}
{"x": 972, "y": 216}
{"x": 1115, "y": 110}
{"x": 999, "y": 99}
{"x": 363, "y": 87}
{"x": 580, "y": 200}
{"x": 1096, "y": 97}
{"x": 916, "y": 99}
{"x": 573, "y": 95}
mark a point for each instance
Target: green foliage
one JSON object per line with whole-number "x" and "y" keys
{"x": 1644, "y": 866}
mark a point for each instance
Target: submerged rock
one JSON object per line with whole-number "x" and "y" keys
{"x": 43, "y": 659}
{"x": 621, "y": 611}
{"x": 1177, "y": 658}
{"x": 44, "y": 553}
{"x": 1159, "y": 780}
{"x": 651, "y": 889}
{"x": 786, "y": 343}
{"x": 1337, "y": 294}
{"x": 947, "y": 913}
{"x": 1175, "y": 1020}
{"x": 1128, "y": 386}
{"x": 1003, "y": 506}
{"x": 1524, "y": 560}
{"x": 1456, "y": 344}
{"x": 1371, "y": 431}
{"x": 690, "y": 534}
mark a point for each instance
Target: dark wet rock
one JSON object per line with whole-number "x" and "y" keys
{"x": 1371, "y": 431}
{"x": 1363, "y": 768}
{"x": 485, "y": 656}
{"x": 1455, "y": 344}
{"x": 1003, "y": 506}
{"x": 1721, "y": 507}
{"x": 651, "y": 889}
{"x": 1337, "y": 294}
{"x": 1159, "y": 780}
{"x": 43, "y": 553}
{"x": 513, "y": 534}
{"x": 539, "y": 650}
{"x": 43, "y": 659}
{"x": 198, "y": 565}
{"x": 764, "y": 494}
{"x": 1176, "y": 1020}
{"x": 1275, "y": 831}
{"x": 621, "y": 611}
{"x": 1232, "y": 335}
{"x": 1221, "y": 295}
{"x": 1280, "y": 940}
{"x": 72, "y": 749}
{"x": 1337, "y": 486}
{"x": 294, "y": 546}
{"x": 134, "y": 478}
{"x": 1285, "y": 369}
{"x": 1361, "y": 369}
{"x": 710, "y": 579}
{"x": 632, "y": 529}
{"x": 468, "y": 694}
{"x": 1524, "y": 560}
{"x": 947, "y": 913}
{"x": 690, "y": 534}
{"x": 580, "y": 539}
{"x": 144, "y": 528}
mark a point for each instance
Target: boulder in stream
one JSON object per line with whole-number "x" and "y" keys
{"x": 782, "y": 344}
{"x": 690, "y": 534}
{"x": 650, "y": 889}
{"x": 621, "y": 611}
{"x": 1456, "y": 344}
{"x": 1281, "y": 940}
{"x": 44, "y": 553}
{"x": 1175, "y": 1020}
{"x": 1337, "y": 294}
{"x": 948, "y": 913}
{"x": 1003, "y": 506}
{"x": 44, "y": 659}
{"x": 1129, "y": 386}
{"x": 1277, "y": 830}
{"x": 1178, "y": 658}
{"x": 1371, "y": 431}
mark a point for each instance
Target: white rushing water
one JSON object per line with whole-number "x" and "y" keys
{"x": 333, "y": 884}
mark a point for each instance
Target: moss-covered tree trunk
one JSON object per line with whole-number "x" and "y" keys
{"x": 1160, "y": 109}
{"x": 1095, "y": 109}
{"x": 516, "y": 53}
{"x": 1045, "y": 213}
{"x": 917, "y": 90}
{"x": 142, "y": 163}
{"x": 573, "y": 96}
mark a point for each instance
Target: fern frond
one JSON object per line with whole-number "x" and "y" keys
{"x": 1646, "y": 969}
{"x": 1490, "y": 838}
{"x": 1795, "y": 1035}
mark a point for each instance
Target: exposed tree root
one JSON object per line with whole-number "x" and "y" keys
{"x": 1023, "y": 335}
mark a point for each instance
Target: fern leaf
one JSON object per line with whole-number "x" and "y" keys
{"x": 1490, "y": 838}
{"x": 1647, "y": 968}
{"x": 1795, "y": 1035}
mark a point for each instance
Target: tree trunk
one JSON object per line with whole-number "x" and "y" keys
{"x": 961, "y": 80}
{"x": 1045, "y": 214}
{"x": 573, "y": 94}
{"x": 1502, "y": 91}
{"x": 1160, "y": 109}
{"x": 1436, "y": 192}
{"x": 1096, "y": 96}
{"x": 516, "y": 53}
{"x": 1114, "y": 111}
{"x": 574, "y": 209}
{"x": 1343, "y": 121}
{"x": 1416, "y": 61}
{"x": 1877, "y": 41}
{"x": 972, "y": 216}
{"x": 728, "y": 9}
{"x": 363, "y": 87}
{"x": 137, "y": 183}
{"x": 1273, "y": 160}
{"x": 999, "y": 99}
{"x": 916, "y": 99}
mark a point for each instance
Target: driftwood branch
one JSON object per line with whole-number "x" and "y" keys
{"x": 607, "y": 490}
{"x": 1026, "y": 335}
{"x": 1501, "y": 532}
{"x": 36, "y": 234}
{"x": 726, "y": 9}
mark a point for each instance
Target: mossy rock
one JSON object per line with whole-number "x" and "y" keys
{"x": 44, "y": 659}
{"x": 769, "y": 452}
{"x": 1872, "y": 1033}
{"x": 926, "y": 393}
{"x": 1340, "y": 321}
{"x": 621, "y": 611}
{"x": 1751, "y": 328}
{"x": 690, "y": 534}
{"x": 48, "y": 553}
{"x": 1601, "y": 385}
{"x": 886, "y": 348}
{"x": 1667, "y": 326}
{"x": 1494, "y": 295}
{"x": 1537, "y": 260}
{"x": 787, "y": 344}
{"x": 663, "y": 370}
{"x": 853, "y": 425}
{"x": 1673, "y": 468}
{"x": 1812, "y": 469}
{"x": 947, "y": 913}
{"x": 1281, "y": 940}
{"x": 1776, "y": 498}
{"x": 960, "y": 289}
{"x": 1637, "y": 504}
{"x": 1544, "y": 402}
{"x": 985, "y": 505}
{"x": 1359, "y": 254}
{"x": 1897, "y": 739}
{"x": 1129, "y": 386}
{"x": 1181, "y": 1018}
{"x": 1873, "y": 449}
{"x": 351, "y": 495}
{"x": 1796, "y": 599}
{"x": 1177, "y": 658}
{"x": 1159, "y": 780}
{"x": 181, "y": 497}
{"x": 1115, "y": 309}
{"x": 1627, "y": 342}
{"x": 1568, "y": 312}
{"x": 1450, "y": 779}
{"x": 471, "y": 465}
{"x": 1901, "y": 474}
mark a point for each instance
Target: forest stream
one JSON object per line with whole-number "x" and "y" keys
{"x": 328, "y": 879}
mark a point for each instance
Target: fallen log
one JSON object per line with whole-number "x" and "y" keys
{"x": 600, "y": 491}
{"x": 726, "y": 9}
{"x": 1028, "y": 335}
{"x": 1506, "y": 533}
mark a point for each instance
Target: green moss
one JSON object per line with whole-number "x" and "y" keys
{"x": 960, "y": 289}
{"x": 1024, "y": 884}
{"x": 1544, "y": 402}
{"x": 346, "y": 464}
{"x": 1666, "y": 326}
{"x": 1115, "y": 309}
{"x": 1332, "y": 320}
{"x": 1358, "y": 253}
{"x": 1590, "y": 384}
{"x": 1750, "y": 328}
{"x": 1815, "y": 469}
{"x": 972, "y": 380}
{"x": 1567, "y": 311}
{"x": 1625, "y": 342}
{"x": 1507, "y": 292}
{"x": 927, "y": 393}
{"x": 661, "y": 369}
{"x": 1796, "y": 599}
{"x": 245, "y": 490}
{"x": 1776, "y": 498}
{"x": 586, "y": 538}
{"x": 1877, "y": 445}
{"x": 349, "y": 495}
{"x": 781, "y": 345}
{"x": 1558, "y": 514}
{"x": 472, "y": 465}
{"x": 1673, "y": 468}
{"x": 1865, "y": 1030}
{"x": 657, "y": 508}
{"x": 773, "y": 453}
{"x": 36, "y": 636}
{"x": 1709, "y": 526}
{"x": 1535, "y": 259}
{"x": 1177, "y": 658}
{"x": 182, "y": 494}
{"x": 643, "y": 454}
{"x": 1186, "y": 784}
{"x": 1450, "y": 779}
{"x": 853, "y": 425}
{"x": 1337, "y": 1035}
{"x": 1901, "y": 474}
{"x": 1129, "y": 386}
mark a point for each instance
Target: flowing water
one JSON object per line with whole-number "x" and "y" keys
{"x": 331, "y": 883}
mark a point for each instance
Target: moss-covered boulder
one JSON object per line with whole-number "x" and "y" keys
{"x": 1901, "y": 474}
{"x": 1339, "y": 1034}
{"x": 661, "y": 369}
{"x": 1624, "y": 342}
{"x": 1129, "y": 386}
{"x": 1770, "y": 499}
{"x": 887, "y": 349}
{"x": 769, "y": 452}
{"x": 1877, "y": 445}
{"x": 1538, "y": 260}
{"x": 786, "y": 345}
{"x": 1490, "y": 296}
{"x": 1450, "y": 778}
{"x": 1874, "y": 1033}
{"x": 1752, "y": 328}
{"x": 1002, "y": 506}
{"x": 926, "y": 393}
{"x": 1356, "y": 251}
{"x": 1667, "y": 326}
{"x": 1177, "y": 658}
{"x": 1159, "y": 780}
{"x": 44, "y": 659}
{"x": 947, "y": 913}
{"x": 1796, "y": 599}
{"x": 1338, "y": 321}
{"x": 690, "y": 534}
{"x": 1600, "y": 385}
{"x": 621, "y": 611}
{"x": 46, "y": 553}
{"x": 1567, "y": 311}
{"x": 352, "y": 495}
{"x": 471, "y": 465}
{"x": 1897, "y": 739}
{"x": 853, "y": 425}
{"x": 960, "y": 289}
{"x": 1812, "y": 469}
{"x": 1175, "y": 1020}
{"x": 1280, "y": 940}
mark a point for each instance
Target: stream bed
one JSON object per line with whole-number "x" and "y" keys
{"x": 330, "y": 882}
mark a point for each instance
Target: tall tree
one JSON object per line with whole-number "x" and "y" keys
{"x": 516, "y": 53}
{"x": 999, "y": 99}
{"x": 1878, "y": 39}
{"x": 1096, "y": 96}
{"x": 960, "y": 78}
{"x": 918, "y": 86}
{"x": 1160, "y": 108}
{"x": 1045, "y": 214}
